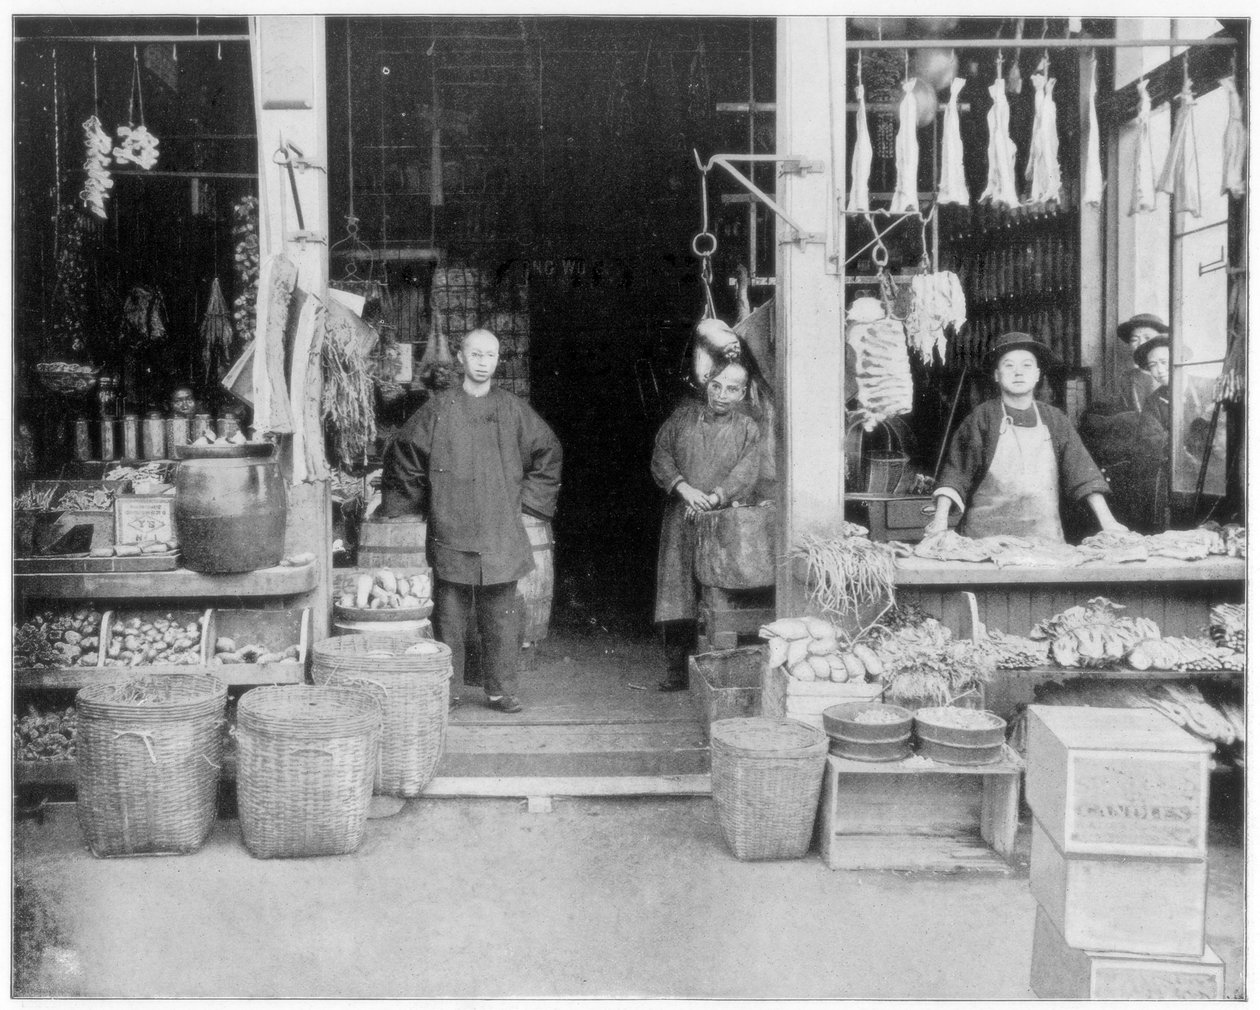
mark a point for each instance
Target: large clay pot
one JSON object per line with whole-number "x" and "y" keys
{"x": 230, "y": 507}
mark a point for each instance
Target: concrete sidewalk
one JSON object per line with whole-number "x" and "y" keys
{"x": 478, "y": 898}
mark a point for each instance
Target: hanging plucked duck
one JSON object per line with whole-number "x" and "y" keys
{"x": 1233, "y": 177}
{"x": 1042, "y": 171}
{"x": 1180, "y": 177}
{"x": 860, "y": 167}
{"x": 1001, "y": 190}
{"x": 1092, "y": 187}
{"x": 953, "y": 176}
{"x": 906, "y": 195}
{"x": 1143, "y": 201}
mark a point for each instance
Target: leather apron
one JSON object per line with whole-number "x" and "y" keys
{"x": 1019, "y": 496}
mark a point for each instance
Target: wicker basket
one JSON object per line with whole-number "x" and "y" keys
{"x": 735, "y": 547}
{"x": 767, "y": 775}
{"x": 414, "y": 691}
{"x": 307, "y": 758}
{"x": 148, "y": 756}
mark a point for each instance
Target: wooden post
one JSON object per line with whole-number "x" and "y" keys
{"x": 809, "y": 303}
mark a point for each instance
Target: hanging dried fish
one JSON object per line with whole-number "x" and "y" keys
{"x": 860, "y": 169}
{"x": 1180, "y": 177}
{"x": 1143, "y": 201}
{"x": 1042, "y": 171}
{"x": 1233, "y": 178}
{"x": 906, "y": 195}
{"x": 437, "y": 364}
{"x": 1001, "y": 190}
{"x": 348, "y": 402}
{"x": 216, "y": 335}
{"x": 1092, "y": 189}
{"x": 97, "y": 148}
{"x": 953, "y": 175}
{"x": 143, "y": 317}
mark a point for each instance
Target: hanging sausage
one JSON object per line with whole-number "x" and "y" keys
{"x": 1092, "y": 188}
{"x": 953, "y": 176}
{"x": 1143, "y": 199}
{"x": 1001, "y": 189}
{"x": 860, "y": 170}
{"x": 1180, "y": 177}
{"x": 1042, "y": 171}
{"x": 1235, "y": 159}
{"x": 906, "y": 195}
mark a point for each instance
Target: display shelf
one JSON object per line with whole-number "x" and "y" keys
{"x": 915, "y": 571}
{"x": 31, "y": 773}
{"x": 241, "y": 675}
{"x": 278, "y": 581}
{"x": 1121, "y": 673}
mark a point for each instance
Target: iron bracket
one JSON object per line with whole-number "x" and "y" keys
{"x": 790, "y": 164}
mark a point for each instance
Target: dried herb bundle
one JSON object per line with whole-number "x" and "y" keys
{"x": 847, "y": 572}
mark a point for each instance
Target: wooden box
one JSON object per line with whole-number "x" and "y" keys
{"x": 1117, "y": 781}
{"x": 917, "y": 814}
{"x": 1130, "y": 904}
{"x": 184, "y": 617}
{"x": 785, "y": 697}
{"x": 274, "y": 631}
{"x": 725, "y": 684}
{"x": 898, "y": 517}
{"x": 143, "y": 518}
{"x": 1062, "y": 972}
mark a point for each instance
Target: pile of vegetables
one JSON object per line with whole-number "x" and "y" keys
{"x": 44, "y": 736}
{"x": 138, "y": 641}
{"x": 35, "y": 498}
{"x": 1094, "y": 635}
{"x": 385, "y": 590}
{"x": 226, "y": 651}
{"x": 1183, "y": 654}
{"x": 1011, "y": 652}
{"x": 1227, "y": 624}
{"x": 238, "y": 437}
{"x": 50, "y": 641}
{"x": 811, "y": 649}
{"x": 922, "y": 660}
{"x": 846, "y": 572}
{"x": 135, "y": 550}
{"x": 99, "y": 500}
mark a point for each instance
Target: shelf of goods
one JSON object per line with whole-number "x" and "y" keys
{"x": 278, "y": 581}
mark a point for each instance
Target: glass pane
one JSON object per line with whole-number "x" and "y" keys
{"x": 1192, "y": 407}
{"x": 1199, "y": 318}
{"x": 1211, "y": 113}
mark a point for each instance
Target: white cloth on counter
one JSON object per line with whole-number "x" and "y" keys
{"x": 1180, "y": 177}
{"x": 1092, "y": 188}
{"x": 1143, "y": 198}
{"x": 863, "y": 154}
{"x": 953, "y": 176}
{"x": 1001, "y": 189}
{"x": 906, "y": 195}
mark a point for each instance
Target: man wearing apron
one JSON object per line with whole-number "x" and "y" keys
{"x": 1013, "y": 458}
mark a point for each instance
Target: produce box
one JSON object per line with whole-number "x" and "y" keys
{"x": 726, "y": 684}
{"x": 1133, "y": 904}
{"x": 1117, "y": 781}
{"x": 240, "y": 642}
{"x": 785, "y": 697}
{"x": 59, "y": 639}
{"x": 1064, "y": 973}
{"x": 143, "y": 518}
{"x": 160, "y": 638}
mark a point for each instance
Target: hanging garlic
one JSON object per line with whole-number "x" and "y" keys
{"x": 906, "y": 195}
{"x": 1180, "y": 177}
{"x": 860, "y": 168}
{"x": 1092, "y": 188}
{"x": 1233, "y": 177}
{"x": 953, "y": 175}
{"x": 1143, "y": 200}
{"x": 1001, "y": 189}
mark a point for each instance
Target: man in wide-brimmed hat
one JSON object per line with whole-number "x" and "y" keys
{"x": 1013, "y": 458}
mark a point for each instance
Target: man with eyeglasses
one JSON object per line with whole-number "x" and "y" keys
{"x": 705, "y": 457}
{"x": 473, "y": 459}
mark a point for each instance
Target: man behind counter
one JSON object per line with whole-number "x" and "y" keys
{"x": 472, "y": 459}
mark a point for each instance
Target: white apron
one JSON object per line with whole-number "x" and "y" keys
{"x": 1019, "y": 496}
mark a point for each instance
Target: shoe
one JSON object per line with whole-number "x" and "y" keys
{"x": 505, "y": 703}
{"x": 673, "y": 683}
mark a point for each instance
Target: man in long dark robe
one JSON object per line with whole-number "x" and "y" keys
{"x": 706, "y": 456}
{"x": 473, "y": 459}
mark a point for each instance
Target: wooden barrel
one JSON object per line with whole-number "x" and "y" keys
{"x": 396, "y": 544}
{"x": 535, "y": 590}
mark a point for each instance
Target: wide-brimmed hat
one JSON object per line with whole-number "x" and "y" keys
{"x": 1143, "y": 352}
{"x": 1016, "y": 341}
{"x": 1125, "y": 329}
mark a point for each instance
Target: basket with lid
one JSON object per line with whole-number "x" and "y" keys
{"x": 767, "y": 774}
{"x": 412, "y": 679}
{"x": 307, "y": 760}
{"x": 149, "y": 751}
{"x": 869, "y": 731}
{"x": 960, "y": 736}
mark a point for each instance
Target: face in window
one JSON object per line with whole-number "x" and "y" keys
{"x": 1157, "y": 365}
{"x": 1141, "y": 335}
{"x": 182, "y": 402}
{"x": 726, "y": 388}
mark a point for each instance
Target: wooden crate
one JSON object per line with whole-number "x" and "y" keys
{"x": 1117, "y": 781}
{"x": 723, "y": 615}
{"x": 725, "y": 684}
{"x": 183, "y": 616}
{"x": 785, "y": 697}
{"x": 274, "y": 630}
{"x": 1062, "y": 972}
{"x": 1132, "y": 904}
{"x": 918, "y": 814}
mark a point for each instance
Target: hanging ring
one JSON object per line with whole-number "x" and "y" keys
{"x": 879, "y": 255}
{"x": 708, "y": 239}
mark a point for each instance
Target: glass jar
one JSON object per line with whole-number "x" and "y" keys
{"x": 200, "y": 425}
{"x": 82, "y": 439}
{"x": 154, "y": 435}
{"x": 131, "y": 436}
{"x": 176, "y": 433}
{"x": 109, "y": 439}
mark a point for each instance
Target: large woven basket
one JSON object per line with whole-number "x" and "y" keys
{"x": 767, "y": 775}
{"x": 149, "y": 751}
{"x": 307, "y": 759}
{"x": 414, "y": 691}
{"x": 735, "y": 547}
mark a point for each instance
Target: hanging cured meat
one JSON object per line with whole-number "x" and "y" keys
{"x": 953, "y": 176}
{"x": 906, "y": 196}
{"x": 1143, "y": 200}
{"x": 1091, "y": 190}
{"x": 860, "y": 169}
{"x": 1042, "y": 172}
{"x": 1180, "y": 177}
{"x": 1235, "y": 160}
{"x": 885, "y": 388}
{"x": 1001, "y": 189}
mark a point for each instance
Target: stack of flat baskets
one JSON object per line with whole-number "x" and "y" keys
{"x": 307, "y": 759}
{"x": 414, "y": 691}
{"x": 767, "y": 776}
{"x": 149, "y": 753}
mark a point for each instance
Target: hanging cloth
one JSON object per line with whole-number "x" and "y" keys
{"x": 1042, "y": 170}
{"x": 1143, "y": 200}
{"x": 1180, "y": 177}
{"x": 1001, "y": 189}
{"x": 906, "y": 195}
{"x": 1235, "y": 159}
{"x": 953, "y": 175}
{"x": 860, "y": 169}
{"x": 1091, "y": 191}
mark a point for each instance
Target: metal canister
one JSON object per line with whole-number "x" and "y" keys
{"x": 82, "y": 439}
{"x": 176, "y": 433}
{"x": 228, "y": 426}
{"x": 154, "y": 435}
{"x": 131, "y": 436}
{"x": 200, "y": 425}
{"x": 109, "y": 440}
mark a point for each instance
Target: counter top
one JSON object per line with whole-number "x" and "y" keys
{"x": 928, "y": 572}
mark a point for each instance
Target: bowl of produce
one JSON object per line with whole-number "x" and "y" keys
{"x": 385, "y": 595}
{"x": 66, "y": 376}
{"x": 960, "y": 736}
{"x": 868, "y": 731}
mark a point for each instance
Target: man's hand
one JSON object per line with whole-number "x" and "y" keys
{"x": 1115, "y": 526}
{"x": 696, "y": 500}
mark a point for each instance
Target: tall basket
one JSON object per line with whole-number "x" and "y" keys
{"x": 149, "y": 753}
{"x": 307, "y": 759}
{"x": 414, "y": 691}
{"x": 767, "y": 776}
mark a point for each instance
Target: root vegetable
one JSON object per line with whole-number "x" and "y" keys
{"x": 776, "y": 652}
{"x": 790, "y": 628}
{"x": 818, "y": 628}
{"x": 802, "y": 671}
{"x": 386, "y": 580}
{"x": 821, "y": 646}
{"x": 364, "y": 591}
{"x": 820, "y": 666}
{"x": 839, "y": 672}
{"x": 224, "y": 644}
{"x": 854, "y": 666}
{"x": 797, "y": 651}
{"x": 874, "y": 666}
